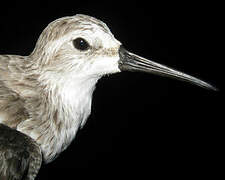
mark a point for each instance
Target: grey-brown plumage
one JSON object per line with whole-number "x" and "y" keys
{"x": 13, "y": 81}
{"x": 20, "y": 155}
{"x": 40, "y": 94}
{"x": 46, "y": 97}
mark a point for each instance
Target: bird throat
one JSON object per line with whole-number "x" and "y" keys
{"x": 65, "y": 110}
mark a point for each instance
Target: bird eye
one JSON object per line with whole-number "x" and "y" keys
{"x": 81, "y": 44}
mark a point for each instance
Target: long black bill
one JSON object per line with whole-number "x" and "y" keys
{"x": 131, "y": 62}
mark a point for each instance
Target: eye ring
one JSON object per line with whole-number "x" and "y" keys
{"x": 81, "y": 44}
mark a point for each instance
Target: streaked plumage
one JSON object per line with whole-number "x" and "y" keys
{"x": 37, "y": 91}
{"x": 47, "y": 95}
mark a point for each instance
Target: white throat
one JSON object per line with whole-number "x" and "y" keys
{"x": 77, "y": 98}
{"x": 74, "y": 107}
{"x": 69, "y": 105}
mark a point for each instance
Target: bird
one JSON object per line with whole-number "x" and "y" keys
{"x": 46, "y": 97}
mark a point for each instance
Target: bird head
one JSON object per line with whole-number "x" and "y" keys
{"x": 83, "y": 47}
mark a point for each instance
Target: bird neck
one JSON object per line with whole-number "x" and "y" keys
{"x": 71, "y": 106}
{"x": 72, "y": 101}
{"x": 63, "y": 109}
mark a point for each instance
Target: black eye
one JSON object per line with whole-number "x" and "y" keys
{"x": 81, "y": 44}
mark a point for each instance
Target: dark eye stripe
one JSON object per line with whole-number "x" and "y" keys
{"x": 81, "y": 44}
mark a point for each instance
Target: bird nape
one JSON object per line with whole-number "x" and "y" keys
{"x": 46, "y": 97}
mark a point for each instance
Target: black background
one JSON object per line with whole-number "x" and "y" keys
{"x": 141, "y": 126}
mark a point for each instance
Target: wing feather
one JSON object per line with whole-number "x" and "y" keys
{"x": 20, "y": 156}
